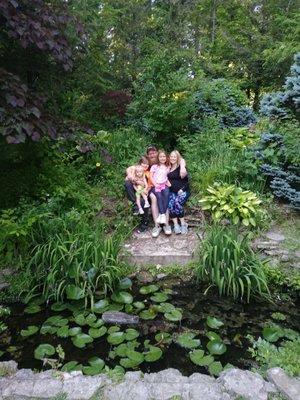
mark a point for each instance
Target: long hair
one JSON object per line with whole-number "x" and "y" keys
{"x": 178, "y": 155}
{"x": 166, "y": 154}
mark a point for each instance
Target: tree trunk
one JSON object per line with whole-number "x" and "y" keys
{"x": 256, "y": 99}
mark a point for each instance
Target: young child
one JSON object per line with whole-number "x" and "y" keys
{"x": 159, "y": 177}
{"x": 140, "y": 186}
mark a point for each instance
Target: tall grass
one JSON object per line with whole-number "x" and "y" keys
{"x": 75, "y": 265}
{"x": 228, "y": 263}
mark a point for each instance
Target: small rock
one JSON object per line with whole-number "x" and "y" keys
{"x": 144, "y": 277}
{"x": 6, "y": 272}
{"x": 8, "y": 368}
{"x": 4, "y": 285}
{"x": 117, "y": 317}
{"x": 161, "y": 276}
{"x": 289, "y": 387}
{"x": 277, "y": 237}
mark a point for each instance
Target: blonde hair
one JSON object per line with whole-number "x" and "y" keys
{"x": 178, "y": 156}
{"x": 138, "y": 167}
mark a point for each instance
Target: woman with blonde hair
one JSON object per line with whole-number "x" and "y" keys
{"x": 179, "y": 191}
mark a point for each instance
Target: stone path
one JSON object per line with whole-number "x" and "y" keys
{"x": 142, "y": 249}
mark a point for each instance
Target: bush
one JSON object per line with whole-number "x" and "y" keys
{"x": 240, "y": 138}
{"x": 230, "y": 201}
{"x": 228, "y": 263}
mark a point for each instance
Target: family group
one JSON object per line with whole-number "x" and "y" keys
{"x": 159, "y": 181}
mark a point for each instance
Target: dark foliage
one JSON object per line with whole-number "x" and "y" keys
{"x": 36, "y": 23}
{"x": 115, "y": 102}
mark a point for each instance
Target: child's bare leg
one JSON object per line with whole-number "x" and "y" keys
{"x": 145, "y": 197}
{"x": 154, "y": 208}
{"x": 138, "y": 200}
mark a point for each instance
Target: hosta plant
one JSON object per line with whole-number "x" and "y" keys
{"x": 240, "y": 138}
{"x": 233, "y": 203}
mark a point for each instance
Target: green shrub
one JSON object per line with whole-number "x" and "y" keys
{"x": 230, "y": 201}
{"x": 228, "y": 263}
{"x": 240, "y": 138}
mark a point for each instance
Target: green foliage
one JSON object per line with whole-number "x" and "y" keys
{"x": 241, "y": 137}
{"x": 233, "y": 203}
{"x": 228, "y": 263}
{"x": 285, "y": 356}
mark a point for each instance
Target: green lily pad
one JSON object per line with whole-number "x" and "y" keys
{"x": 45, "y": 329}
{"x": 128, "y": 363}
{"x": 99, "y": 322}
{"x": 74, "y": 331}
{"x": 214, "y": 323}
{"x": 80, "y": 319}
{"x": 278, "y": 316}
{"x": 174, "y": 315}
{"x": 32, "y": 309}
{"x": 272, "y": 333}
{"x": 129, "y": 308}
{"x": 122, "y": 297}
{"x": 31, "y": 330}
{"x": 139, "y": 305}
{"x": 59, "y": 306}
{"x": 44, "y": 350}
{"x": 63, "y": 331}
{"x": 115, "y": 307}
{"x": 56, "y": 320}
{"x": 165, "y": 307}
{"x": 81, "y": 340}
{"x": 149, "y": 289}
{"x": 216, "y": 347}
{"x": 131, "y": 334}
{"x": 121, "y": 350}
{"x": 198, "y": 358}
{"x": 135, "y": 356}
{"x": 100, "y": 306}
{"x": 95, "y": 367}
{"x": 1, "y": 353}
{"x": 213, "y": 336}
{"x": 215, "y": 368}
{"x": 187, "y": 340}
{"x": 163, "y": 337}
{"x": 97, "y": 332}
{"x": 116, "y": 338}
{"x": 125, "y": 283}
{"x": 159, "y": 297}
{"x": 148, "y": 314}
{"x": 90, "y": 319}
{"x": 74, "y": 292}
{"x": 113, "y": 328}
{"x": 71, "y": 366}
{"x": 153, "y": 354}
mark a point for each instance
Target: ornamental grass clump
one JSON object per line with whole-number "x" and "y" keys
{"x": 228, "y": 263}
{"x": 233, "y": 203}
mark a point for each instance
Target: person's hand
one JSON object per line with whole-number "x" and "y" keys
{"x": 180, "y": 191}
{"x": 168, "y": 183}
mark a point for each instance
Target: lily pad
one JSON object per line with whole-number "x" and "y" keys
{"x": 153, "y": 354}
{"x": 187, "y": 340}
{"x": 213, "y": 336}
{"x": 139, "y": 305}
{"x": 71, "y": 366}
{"x": 90, "y": 319}
{"x": 95, "y": 367}
{"x": 30, "y": 330}
{"x": 148, "y": 314}
{"x": 74, "y": 331}
{"x": 63, "y": 331}
{"x": 44, "y": 350}
{"x": 122, "y": 297}
{"x": 216, "y": 347}
{"x": 149, "y": 289}
{"x": 128, "y": 308}
{"x": 97, "y": 332}
{"x": 131, "y": 334}
{"x": 56, "y": 320}
{"x": 121, "y": 350}
{"x": 45, "y": 329}
{"x": 215, "y": 368}
{"x": 128, "y": 363}
{"x": 99, "y": 322}
{"x": 125, "y": 283}
{"x": 163, "y": 337}
{"x": 80, "y": 320}
{"x": 272, "y": 333}
{"x": 116, "y": 338}
{"x": 81, "y": 340}
{"x": 113, "y": 328}
{"x": 174, "y": 315}
{"x": 159, "y": 297}
{"x": 115, "y": 307}
{"x": 198, "y": 358}
{"x": 214, "y": 323}
{"x": 100, "y": 306}
{"x": 135, "y": 356}
{"x": 32, "y": 309}
{"x": 165, "y": 307}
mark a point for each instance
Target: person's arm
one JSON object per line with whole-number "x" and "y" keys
{"x": 152, "y": 170}
{"x": 183, "y": 171}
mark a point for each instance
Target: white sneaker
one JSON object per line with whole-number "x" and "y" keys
{"x": 141, "y": 211}
{"x": 167, "y": 230}
{"x": 156, "y": 231}
{"x": 158, "y": 219}
{"x": 163, "y": 219}
{"x": 147, "y": 205}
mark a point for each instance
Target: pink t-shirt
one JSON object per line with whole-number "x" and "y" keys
{"x": 160, "y": 174}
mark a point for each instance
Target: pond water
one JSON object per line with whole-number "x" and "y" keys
{"x": 239, "y": 320}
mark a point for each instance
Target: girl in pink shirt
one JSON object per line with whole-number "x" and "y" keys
{"x": 159, "y": 176}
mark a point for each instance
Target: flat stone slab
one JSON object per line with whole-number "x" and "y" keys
{"x": 143, "y": 249}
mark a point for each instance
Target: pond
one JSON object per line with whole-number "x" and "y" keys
{"x": 180, "y": 327}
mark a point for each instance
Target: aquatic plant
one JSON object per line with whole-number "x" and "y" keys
{"x": 228, "y": 262}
